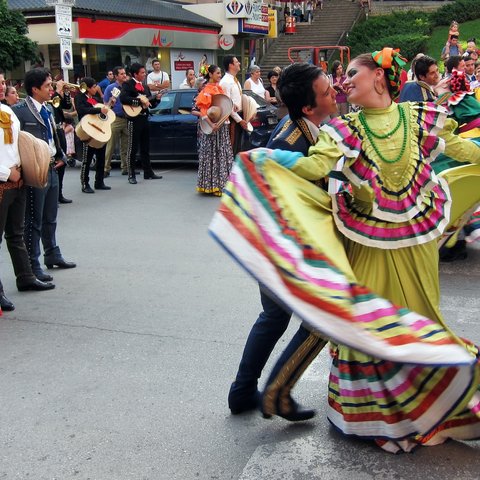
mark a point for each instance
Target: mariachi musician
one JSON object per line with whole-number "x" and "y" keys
{"x": 85, "y": 105}
{"x": 64, "y": 102}
{"x": 136, "y": 94}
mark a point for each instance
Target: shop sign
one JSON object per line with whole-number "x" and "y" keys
{"x": 272, "y": 23}
{"x": 161, "y": 40}
{"x": 238, "y": 8}
{"x": 226, "y": 42}
{"x": 180, "y": 65}
{"x": 258, "y": 22}
{"x": 110, "y": 32}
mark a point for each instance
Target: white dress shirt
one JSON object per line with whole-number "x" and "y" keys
{"x": 9, "y": 156}
{"x": 232, "y": 89}
{"x": 51, "y": 141}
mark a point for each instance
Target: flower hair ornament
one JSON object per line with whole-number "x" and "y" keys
{"x": 392, "y": 63}
{"x": 204, "y": 70}
{"x": 459, "y": 86}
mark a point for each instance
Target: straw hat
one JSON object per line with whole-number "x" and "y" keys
{"x": 249, "y": 109}
{"x": 222, "y": 107}
{"x": 35, "y": 159}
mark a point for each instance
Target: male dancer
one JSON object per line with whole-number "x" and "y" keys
{"x": 422, "y": 89}
{"x": 310, "y": 99}
{"x": 136, "y": 94}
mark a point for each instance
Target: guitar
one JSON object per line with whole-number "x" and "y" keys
{"x": 95, "y": 129}
{"x": 132, "y": 111}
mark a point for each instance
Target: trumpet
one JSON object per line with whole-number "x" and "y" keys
{"x": 72, "y": 86}
{"x": 55, "y": 101}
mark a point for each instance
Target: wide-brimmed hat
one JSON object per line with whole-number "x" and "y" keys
{"x": 220, "y": 110}
{"x": 35, "y": 159}
{"x": 249, "y": 109}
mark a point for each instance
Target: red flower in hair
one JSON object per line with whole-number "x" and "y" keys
{"x": 459, "y": 82}
{"x": 92, "y": 101}
{"x": 139, "y": 87}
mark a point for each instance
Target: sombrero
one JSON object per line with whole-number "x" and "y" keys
{"x": 249, "y": 109}
{"x": 35, "y": 159}
{"x": 218, "y": 113}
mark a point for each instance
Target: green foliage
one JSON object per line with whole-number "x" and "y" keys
{"x": 389, "y": 31}
{"x": 440, "y": 34}
{"x": 461, "y": 11}
{"x": 15, "y": 47}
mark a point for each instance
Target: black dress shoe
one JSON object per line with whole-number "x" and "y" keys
{"x": 296, "y": 414}
{"x": 43, "y": 277}
{"x": 102, "y": 187}
{"x": 457, "y": 252}
{"x": 132, "y": 180}
{"x": 87, "y": 189}
{"x": 247, "y": 404}
{"x": 62, "y": 199}
{"x": 6, "y": 304}
{"x": 37, "y": 286}
{"x": 151, "y": 176}
{"x": 62, "y": 263}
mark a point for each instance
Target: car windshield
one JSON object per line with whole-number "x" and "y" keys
{"x": 261, "y": 101}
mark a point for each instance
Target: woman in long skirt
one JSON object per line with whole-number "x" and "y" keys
{"x": 215, "y": 155}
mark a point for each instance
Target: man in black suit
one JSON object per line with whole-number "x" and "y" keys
{"x": 12, "y": 204}
{"x": 306, "y": 92}
{"x": 85, "y": 105}
{"x": 62, "y": 93}
{"x": 42, "y": 203}
{"x": 137, "y": 94}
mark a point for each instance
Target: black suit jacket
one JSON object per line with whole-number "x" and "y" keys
{"x": 65, "y": 104}
{"x": 83, "y": 107}
{"x": 32, "y": 122}
{"x": 129, "y": 95}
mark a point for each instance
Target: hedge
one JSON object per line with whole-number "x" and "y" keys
{"x": 389, "y": 31}
{"x": 461, "y": 11}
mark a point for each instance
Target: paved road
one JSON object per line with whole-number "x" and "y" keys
{"x": 122, "y": 372}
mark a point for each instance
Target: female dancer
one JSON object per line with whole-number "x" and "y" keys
{"x": 388, "y": 220}
{"x": 215, "y": 155}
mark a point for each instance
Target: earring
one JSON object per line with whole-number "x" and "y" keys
{"x": 375, "y": 87}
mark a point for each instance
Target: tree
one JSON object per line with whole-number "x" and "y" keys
{"x": 15, "y": 46}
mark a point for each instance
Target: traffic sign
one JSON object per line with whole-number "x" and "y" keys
{"x": 66, "y": 53}
{"x": 63, "y": 20}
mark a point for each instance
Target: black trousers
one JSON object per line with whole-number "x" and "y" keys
{"x": 88, "y": 153}
{"x": 12, "y": 224}
{"x": 138, "y": 137}
{"x": 236, "y": 136}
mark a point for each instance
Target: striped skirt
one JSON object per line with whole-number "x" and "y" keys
{"x": 399, "y": 375}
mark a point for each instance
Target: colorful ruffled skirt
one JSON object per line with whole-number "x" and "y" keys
{"x": 399, "y": 376}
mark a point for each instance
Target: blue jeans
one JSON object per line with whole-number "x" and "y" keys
{"x": 41, "y": 222}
